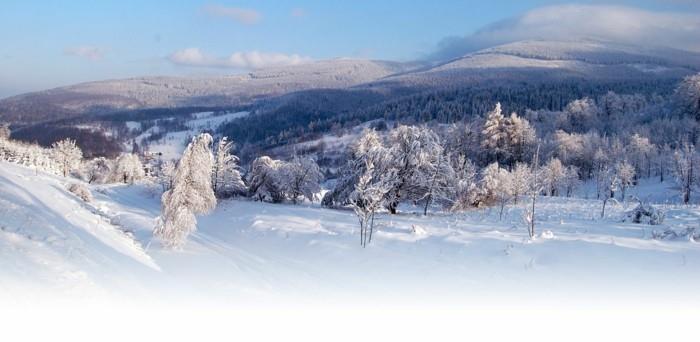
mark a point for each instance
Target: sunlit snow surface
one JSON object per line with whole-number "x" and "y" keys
{"x": 250, "y": 251}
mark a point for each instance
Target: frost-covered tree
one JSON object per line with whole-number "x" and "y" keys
{"x": 521, "y": 176}
{"x": 67, "y": 154}
{"x": 495, "y": 136}
{"x": 581, "y": 115}
{"x": 625, "y": 175}
{"x": 226, "y": 178}
{"x": 438, "y": 182}
{"x": 166, "y": 174}
{"x": 301, "y": 178}
{"x": 97, "y": 170}
{"x": 687, "y": 96}
{"x": 520, "y": 137}
{"x": 601, "y": 171}
{"x": 535, "y": 189}
{"x": 368, "y": 148}
{"x": 5, "y": 132}
{"x": 465, "y": 183}
{"x": 407, "y": 155}
{"x": 571, "y": 180}
{"x": 128, "y": 169}
{"x": 367, "y": 198}
{"x": 553, "y": 174}
{"x": 640, "y": 151}
{"x": 190, "y": 195}
{"x": 264, "y": 180}
{"x": 496, "y": 186}
{"x": 685, "y": 162}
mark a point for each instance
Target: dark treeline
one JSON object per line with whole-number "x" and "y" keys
{"x": 94, "y": 143}
{"x": 305, "y": 115}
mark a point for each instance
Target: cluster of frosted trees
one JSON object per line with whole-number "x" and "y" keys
{"x": 209, "y": 170}
{"x": 491, "y": 161}
{"x": 65, "y": 158}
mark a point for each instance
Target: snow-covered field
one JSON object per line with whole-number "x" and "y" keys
{"x": 253, "y": 255}
{"x": 173, "y": 143}
{"x": 52, "y": 240}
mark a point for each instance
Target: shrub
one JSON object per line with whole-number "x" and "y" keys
{"x": 81, "y": 191}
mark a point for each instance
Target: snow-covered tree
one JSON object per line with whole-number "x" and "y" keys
{"x": 521, "y": 176}
{"x": 465, "y": 183}
{"x": 535, "y": 189}
{"x": 368, "y": 148}
{"x": 688, "y": 96}
{"x": 264, "y": 180}
{"x": 581, "y": 115}
{"x": 226, "y": 178}
{"x": 625, "y": 175}
{"x": 520, "y": 137}
{"x": 4, "y": 132}
{"x": 640, "y": 153}
{"x": 410, "y": 146}
{"x": 436, "y": 179}
{"x": 190, "y": 195}
{"x": 67, "y": 154}
{"x": 496, "y": 186}
{"x": 166, "y": 174}
{"x": 685, "y": 162}
{"x": 97, "y": 170}
{"x": 368, "y": 197}
{"x": 553, "y": 174}
{"x": 128, "y": 169}
{"x": 571, "y": 180}
{"x": 301, "y": 178}
{"x": 495, "y": 136}
{"x": 601, "y": 171}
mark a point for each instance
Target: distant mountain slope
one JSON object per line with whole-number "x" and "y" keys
{"x": 526, "y": 62}
{"x": 154, "y": 92}
{"x": 553, "y": 60}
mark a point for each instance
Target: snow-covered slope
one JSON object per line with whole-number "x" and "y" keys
{"x": 227, "y": 90}
{"x": 172, "y": 144}
{"x": 535, "y": 60}
{"x": 251, "y": 252}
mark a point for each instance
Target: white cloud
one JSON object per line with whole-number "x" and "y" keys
{"x": 92, "y": 53}
{"x": 241, "y": 60}
{"x": 243, "y": 16}
{"x": 562, "y": 22}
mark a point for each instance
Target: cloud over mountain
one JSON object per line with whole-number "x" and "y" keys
{"x": 241, "y": 60}
{"x": 567, "y": 22}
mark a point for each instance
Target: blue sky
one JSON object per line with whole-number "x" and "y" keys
{"x": 51, "y": 43}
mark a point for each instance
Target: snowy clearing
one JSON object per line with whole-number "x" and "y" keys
{"x": 250, "y": 251}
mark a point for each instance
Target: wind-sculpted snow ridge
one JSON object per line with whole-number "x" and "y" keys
{"x": 252, "y": 252}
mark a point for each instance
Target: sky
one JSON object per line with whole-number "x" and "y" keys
{"x": 47, "y": 43}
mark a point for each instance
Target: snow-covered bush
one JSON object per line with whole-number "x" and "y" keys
{"x": 646, "y": 214}
{"x": 81, "y": 191}
{"x": 689, "y": 233}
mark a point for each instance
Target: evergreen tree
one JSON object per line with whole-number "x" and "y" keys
{"x": 190, "y": 195}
